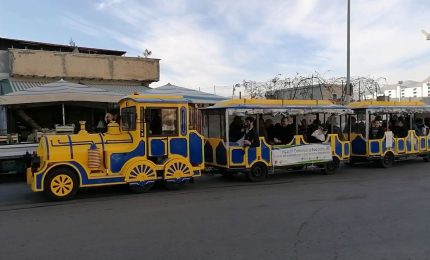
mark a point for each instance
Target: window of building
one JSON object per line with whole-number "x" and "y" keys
{"x": 334, "y": 95}
{"x": 162, "y": 121}
{"x": 128, "y": 118}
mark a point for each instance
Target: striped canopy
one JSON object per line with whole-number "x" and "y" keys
{"x": 60, "y": 91}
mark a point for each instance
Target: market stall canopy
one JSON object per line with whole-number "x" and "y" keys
{"x": 60, "y": 91}
{"x": 195, "y": 96}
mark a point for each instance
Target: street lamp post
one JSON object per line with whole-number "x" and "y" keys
{"x": 348, "y": 59}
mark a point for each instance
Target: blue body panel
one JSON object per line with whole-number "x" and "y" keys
{"x": 195, "y": 146}
{"x": 157, "y": 147}
{"x": 178, "y": 146}
{"x": 237, "y": 156}
{"x": 265, "y": 152}
{"x": 117, "y": 160}
{"x": 252, "y": 155}
{"x": 221, "y": 154}
{"x": 208, "y": 152}
{"x": 359, "y": 146}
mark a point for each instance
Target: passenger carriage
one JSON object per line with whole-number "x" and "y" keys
{"x": 151, "y": 143}
{"x": 388, "y": 147}
{"x": 229, "y": 157}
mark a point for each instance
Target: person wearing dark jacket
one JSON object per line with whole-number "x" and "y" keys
{"x": 400, "y": 131}
{"x": 376, "y": 131}
{"x": 235, "y": 129}
{"x": 285, "y": 133}
{"x": 251, "y": 137}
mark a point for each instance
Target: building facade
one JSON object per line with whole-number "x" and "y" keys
{"x": 407, "y": 90}
{"x": 28, "y": 64}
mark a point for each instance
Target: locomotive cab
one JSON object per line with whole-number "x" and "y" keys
{"x": 151, "y": 142}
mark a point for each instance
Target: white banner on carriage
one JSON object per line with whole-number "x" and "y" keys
{"x": 389, "y": 139}
{"x": 301, "y": 154}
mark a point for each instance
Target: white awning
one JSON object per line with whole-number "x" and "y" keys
{"x": 60, "y": 91}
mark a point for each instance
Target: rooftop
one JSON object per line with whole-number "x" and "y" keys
{"x": 195, "y": 96}
{"x": 7, "y": 43}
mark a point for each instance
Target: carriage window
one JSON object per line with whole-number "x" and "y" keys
{"x": 128, "y": 118}
{"x": 162, "y": 121}
{"x": 215, "y": 124}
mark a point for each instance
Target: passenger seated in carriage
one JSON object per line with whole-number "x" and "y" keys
{"x": 251, "y": 137}
{"x": 400, "y": 130}
{"x": 236, "y": 131}
{"x": 316, "y": 132}
{"x": 419, "y": 127}
{"x": 376, "y": 131}
{"x": 285, "y": 132}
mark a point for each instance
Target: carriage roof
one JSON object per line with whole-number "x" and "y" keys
{"x": 391, "y": 106}
{"x": 270, "y": 106}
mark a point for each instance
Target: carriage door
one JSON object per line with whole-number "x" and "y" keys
{"x": 166, "y": 131}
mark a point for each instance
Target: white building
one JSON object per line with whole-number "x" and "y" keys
{"x": 408, "y": 89}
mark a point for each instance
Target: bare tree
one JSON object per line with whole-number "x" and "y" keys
{"x": 314, "y": 86}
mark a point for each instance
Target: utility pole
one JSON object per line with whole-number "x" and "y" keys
{"x": 348, "y": 58}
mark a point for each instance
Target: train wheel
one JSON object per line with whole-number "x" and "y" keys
{"x": 387, "y": 160}
{"x": 61, "y": 184}
{"x": 331, "y": 167}
{"x": 139, "y": 187}
{"x": 141, "y": 173}
{"x": 426, "y": 158}
{"x": 175, "y": 171}
{"x": 257, "y": 173}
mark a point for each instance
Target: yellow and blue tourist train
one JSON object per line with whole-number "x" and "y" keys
{"x": 404, "y": 131}
{"x": 299, "y": 148}
{"x": 152, "y": 142}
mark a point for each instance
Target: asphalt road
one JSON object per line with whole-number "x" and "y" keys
{"x": 362, "y": 212}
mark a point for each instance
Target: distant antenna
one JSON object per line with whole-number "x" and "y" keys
{"x": 72, "y": 42}
{"x": 147, "y": 53}
{"x": 73, "y": 45}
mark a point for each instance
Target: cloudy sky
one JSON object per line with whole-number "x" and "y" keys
{"x": 219, "y": 43}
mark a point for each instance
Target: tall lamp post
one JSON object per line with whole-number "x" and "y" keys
{"x": 348, "y": 58}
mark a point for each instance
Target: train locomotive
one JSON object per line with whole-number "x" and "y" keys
{"x": 152, "y": 142}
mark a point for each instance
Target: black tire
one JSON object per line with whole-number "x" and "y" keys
{"x": 51, "y": 179}
{"x": 387, "y": 161}
{"x": 257, "y": 173}
{"x": 172, "y": 185}
{"x": 331, "y": 167}
{"x": 139, "y": 188}
{"x": 426, "y": 158}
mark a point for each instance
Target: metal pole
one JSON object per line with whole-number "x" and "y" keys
{"x": 227, "y": 132}
{"x": 64, "y": 114}
{"x": 348, "y": 59}
{"x": 359, "y": 91}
